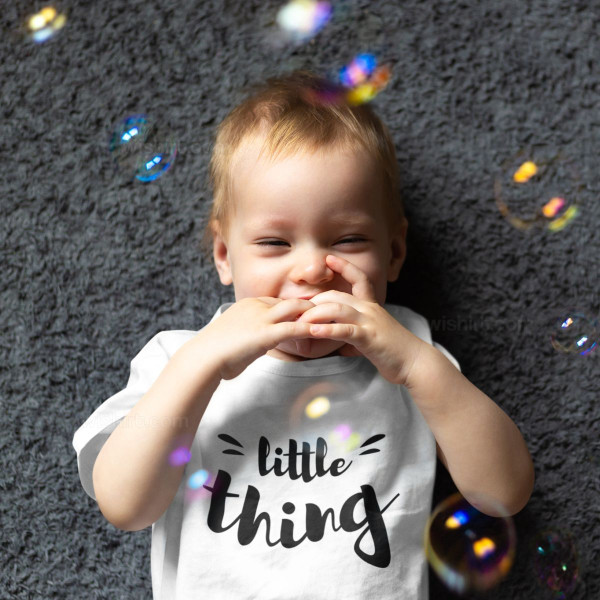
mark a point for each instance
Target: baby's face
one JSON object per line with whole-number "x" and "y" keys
{"x": 290, "y": 214}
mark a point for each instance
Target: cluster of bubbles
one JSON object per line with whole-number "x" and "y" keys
{"x": 472, "y": 552}
{"x": 361, "y": 79}
{"x": 538, "y": 188}
{"x": 141, "y": 148}
{"x": 555, "y": 561}
{"x": 44, "y": 24}
{"x": 469, "y": 550}
{"x": 575, "y": 333}
{"x": 194, "y": 488}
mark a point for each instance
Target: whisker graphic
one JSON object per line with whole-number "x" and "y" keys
{"x": 231, "y": 440}
{"x": 373, "y": 439}
{"x": 371, "y": 451}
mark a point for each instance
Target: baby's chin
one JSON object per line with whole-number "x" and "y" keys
{"x": 293, "y": 350}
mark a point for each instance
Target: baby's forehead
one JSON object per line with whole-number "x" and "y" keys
{"x": 255, "y": 149}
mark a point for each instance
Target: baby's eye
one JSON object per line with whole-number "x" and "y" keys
{"x": 351, "y": 240}
{"x": 272, "y": 243}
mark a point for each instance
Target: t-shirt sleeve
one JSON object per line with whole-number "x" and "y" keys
{"x": 92, "y": 435}
{"x": 447, "y": 354}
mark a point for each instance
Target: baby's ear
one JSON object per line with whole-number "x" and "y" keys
{"x": 397, "y": 249}
{"x": 221, "y": 258}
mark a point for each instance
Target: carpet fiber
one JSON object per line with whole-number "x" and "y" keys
{"x": 94, "y": 265}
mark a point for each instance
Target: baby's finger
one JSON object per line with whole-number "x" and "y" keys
{"x": 361, "y": 286}
{"x": 331, "y": 312}
{"x": 343, "y": 332}
{"x": 289, "y": 310}
{"x": 336, "y": 296}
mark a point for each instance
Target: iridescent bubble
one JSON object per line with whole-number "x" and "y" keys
{"x": 180, "y": 456}
{"x": 317, "y": 407}
{"x": 343, "y": 439}
{"x": 44, "y": 24}
{"x": 574, "y": 333}
{"x": 198, "y": 479}
{"x": 555, "y": 562}
{"x": 141, "y": 148}
{"x": 302, "y": 19}
{"x": 363, "y": 78}
{"x": 538, "y": 188}
{"x": 194, "y": 489}
{"x": 358, "y": 71}
{"x": 468, "y": 549}
{"x": 342, "y": 432}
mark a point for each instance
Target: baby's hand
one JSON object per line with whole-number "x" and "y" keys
{"x": 251, "y": 327}
{"x": 366, "y": 327}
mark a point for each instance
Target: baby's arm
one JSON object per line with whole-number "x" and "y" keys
{"x": 134, "y": 482}
{"x": 479, "y": 444}
{"x": 477, "y": 441}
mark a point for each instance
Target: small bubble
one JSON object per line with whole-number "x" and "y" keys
{"x": 44, "y": 24}
{"x": 575, "y": 333}
{"x": 317, "y": 407}
{"x": 180, "y": 456}
{"x": 301, "y": 20}
{"x": 555, "y": 561}
{"x": 141, "y": 148}
{"x": 198, "y": 479}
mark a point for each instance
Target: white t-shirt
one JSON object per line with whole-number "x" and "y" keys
{"x": 307, "y": 480}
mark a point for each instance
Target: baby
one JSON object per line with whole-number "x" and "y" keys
{"x": 288, "y": 448}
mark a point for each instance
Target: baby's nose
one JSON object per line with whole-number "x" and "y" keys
{"x": 312, "y": 269}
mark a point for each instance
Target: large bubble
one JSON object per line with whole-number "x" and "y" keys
{"x": 468, "y": 549}
{"x": 538, "y": 188}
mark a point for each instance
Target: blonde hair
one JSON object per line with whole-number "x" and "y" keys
{"x": 299, "y": 112}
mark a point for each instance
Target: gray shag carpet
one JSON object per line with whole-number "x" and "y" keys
{"x": 94, "y": 265}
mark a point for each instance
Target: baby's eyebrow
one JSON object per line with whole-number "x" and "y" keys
{"x": 336, "y": 221}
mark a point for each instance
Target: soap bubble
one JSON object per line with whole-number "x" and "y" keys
{"x": 194, "y": 489}
{"x": 320, "y": 411}
{"x": 317, "y": 407}
{"x": 555, "y": 562}
{"x": 363, "y": 78}
{"x": 538, "y": 188}
{"x": 574, "y": 333}
{"x": 343, "y": 439}
{"x": 300, "y": 20}
{"x": 468, "y": 549}
{"x": 43, "y": 25}
{"x": 180, "y": 456}
{"x": 141, "y": 148}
